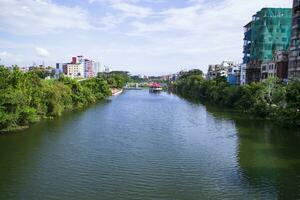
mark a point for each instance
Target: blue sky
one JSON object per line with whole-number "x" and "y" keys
{"x": 142, "y": 36}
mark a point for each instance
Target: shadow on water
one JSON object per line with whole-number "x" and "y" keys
{"x": 266, "y": 153}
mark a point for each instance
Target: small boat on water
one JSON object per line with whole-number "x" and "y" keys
{"x": 155, "y": 88}
{"x": 116, "y": 92}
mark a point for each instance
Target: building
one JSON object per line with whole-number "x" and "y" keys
{"x": 212, "y": 72}
{"x": 234, "y": 73}
{"x": 278, "y": 67}
{"x": 88, "y": 68}
{"x": 74, "y": 70}
{"x": 247, "y": 43}
{"x": 80, "y": 59}
{"x": 294, "y": 57}
{"x": 58, "y": 69}
{"x": 74, "y": 60}
{"x": 243, "y": 74}
{"x": 281, "y": 59}
{"x": 96, "y": 68}
{"x": 268, "y": 70}
{"x": 218, "y": 70}
{"x": 268, "y": 32}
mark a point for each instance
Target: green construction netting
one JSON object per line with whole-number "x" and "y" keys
{"x": 270, "y": 31}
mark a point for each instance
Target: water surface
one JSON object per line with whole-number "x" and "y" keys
{"x": 150, "y": 146}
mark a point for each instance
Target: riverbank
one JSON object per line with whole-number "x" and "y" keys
{"x": 26, "y": 98}
{"x": 268, "y": 100}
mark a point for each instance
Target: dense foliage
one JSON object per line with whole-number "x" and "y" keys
{"x": 270, "y": 99}
{"x": 27, "y": 97}
{"x": 116, "y": 79}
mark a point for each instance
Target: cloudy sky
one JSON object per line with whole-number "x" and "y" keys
{"x": 142, "y": 36}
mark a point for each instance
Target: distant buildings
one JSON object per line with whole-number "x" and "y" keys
{"x": 268, "y": 32}
{"x": 226, "y": 69}
{"x": 79, "y": 67}
{"x": 218, "y": 70}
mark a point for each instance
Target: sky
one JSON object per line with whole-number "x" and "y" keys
{"x": 151, "y": 37}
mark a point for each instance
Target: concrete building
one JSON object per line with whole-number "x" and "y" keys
{"x": 74, "y": 70}
{"x": 278, "y": 67}
{"x": 294, "y": 57}
{"x": 234, "y": 73}
{"x": 88, "y": 68}
{"x": 212, "y": 72}
{"x": 97, "y": 68}
{"x": 268, "y": 32}
{"x": 268, "y": 70}
{"x": 243, "y": 74}
{"x": 281, "y": 59}
{"x": 218, "y": 70}
{"x": 59, "y": 70}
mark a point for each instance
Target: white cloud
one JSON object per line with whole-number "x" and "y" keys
{"x": 5, "y": 54}
{"x": 126, "y": 9}
{"x": 40, "y": 16}
{"x": 153, "y": 38}
{"x": 41, "y": 52}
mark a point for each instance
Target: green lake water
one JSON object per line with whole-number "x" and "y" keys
{"x": 151, "y": 147}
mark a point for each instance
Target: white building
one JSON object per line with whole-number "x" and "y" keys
{"x": 74, "y": 70}
{"x": 219, "y": 70}
{"x": 97, "y": 68}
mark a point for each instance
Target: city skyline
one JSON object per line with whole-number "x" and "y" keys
{"x": 151, "y": 37}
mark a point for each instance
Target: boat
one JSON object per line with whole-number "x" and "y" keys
{"x": 155, "y": 88}
{"x": 116, "y": 92}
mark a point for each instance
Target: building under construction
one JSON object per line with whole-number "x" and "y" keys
{"x": 268, "y": 32}
{"x": 294, "y": 57}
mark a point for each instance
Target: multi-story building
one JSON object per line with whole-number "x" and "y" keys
{"x": 294, "y": 57}
{"x": 281, "y": 59}
{"x": 233, "y": 77}
{"x": 88, "y": 68}
{"x": 243, "y": 74}
{"x": 268, "y": 32}
{"x": 268, "y": 70}
{"x": 278, "y": 67}
{"x": 58, "y": 69}
{"x": 79, "y": 68}
{"x": 96, "y": 68}
{"x": 218, "y": 70}
{"x": 74, "y": 70}
{"x": 212, "y": 72}
{"x": 247, "y": 43}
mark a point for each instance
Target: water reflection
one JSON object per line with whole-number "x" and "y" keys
{"x": 269, "y": 156}
{"x": 150, "y": 146}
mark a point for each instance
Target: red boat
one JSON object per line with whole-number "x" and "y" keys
{"x": 155, "y": 87}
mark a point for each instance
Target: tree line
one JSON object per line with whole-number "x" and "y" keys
{"x": 270, "y": 99}
{"x": 27, "y": 97}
